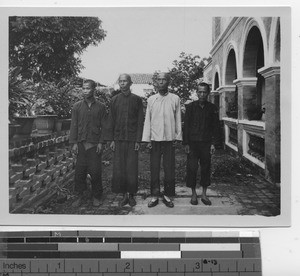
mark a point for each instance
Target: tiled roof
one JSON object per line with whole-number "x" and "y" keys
{"x": 141, "y": 78}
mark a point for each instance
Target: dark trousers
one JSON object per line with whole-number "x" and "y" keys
{"x": 167, "y": 150}
{"x": 125, "y": 168}
{"x": 198, "y": 151}
{"x": 88, "y": 162}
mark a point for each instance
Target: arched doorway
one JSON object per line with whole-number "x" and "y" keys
{"x": 254, "y": 60}
{"x": 231, "y": 99}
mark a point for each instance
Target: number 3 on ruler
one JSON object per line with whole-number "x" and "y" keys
{"x": 197, "y": 265}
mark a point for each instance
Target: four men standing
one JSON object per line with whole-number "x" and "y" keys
{"x": 162, "y": 129}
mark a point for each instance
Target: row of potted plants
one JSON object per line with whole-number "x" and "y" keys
{"x": 43, "y": 105}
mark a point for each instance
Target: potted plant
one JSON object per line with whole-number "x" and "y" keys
{"x": 21, "y": 97}
{"x": 255, "y": 112}
{"x": 232, "y": 110}
{"x": 53, "y": 106}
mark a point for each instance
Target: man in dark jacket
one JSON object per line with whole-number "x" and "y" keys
{"x": 201, "y": 132}
{"x": 88, "y": 116}
{"x": 125, "y": 127}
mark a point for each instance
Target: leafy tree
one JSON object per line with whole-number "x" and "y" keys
{"x": 49, "y": 48}
{"x": 184, "y": 75}
{"x": 20, "y": 93}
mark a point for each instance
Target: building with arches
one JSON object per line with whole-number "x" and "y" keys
{"x": 245, "y": 80}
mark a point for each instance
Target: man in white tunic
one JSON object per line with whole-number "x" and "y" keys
{"x": 162, "y": 128}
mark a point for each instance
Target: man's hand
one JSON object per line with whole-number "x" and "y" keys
{"x": 75, "y": 148}
{"x": 99, "y": 148}
{"x": 187, "y": 149}
{"x": 136, "y": 146}
{"x": 112, "y": 146}
{"x": 149, "y": 146}
{"x": 212, "y": 149}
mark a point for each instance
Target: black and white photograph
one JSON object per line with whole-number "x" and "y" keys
{"x": 147, "y": 115}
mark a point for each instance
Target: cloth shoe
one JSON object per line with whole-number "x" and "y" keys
{"x": 123, "y": 201}
{"x": 168, "y": 202}
{"x": 206, "y": 201}
{"x": 194, "y": 200}
{"x": 97, "y": 202}
{"x": 131, "y": 201}
{"x": 153, "y": 202}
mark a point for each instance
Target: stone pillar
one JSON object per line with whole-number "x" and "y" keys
{"x": 272, "y": 120}
{"x": 246, "y": 97}
{"x": 214, "y": 98}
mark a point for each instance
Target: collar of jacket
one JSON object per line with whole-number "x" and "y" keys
{"x": 197, "y": 103}
{"x": 127, "y": 94}
{"x": 93, "y": 100}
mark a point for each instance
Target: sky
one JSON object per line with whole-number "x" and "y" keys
{"x": 143, "y": 40}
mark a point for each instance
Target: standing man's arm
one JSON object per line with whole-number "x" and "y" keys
{"x": 103, "y": 122}
{"x": 140, "y": 123}
{"x": 216, "y": 130}
{"x": 147, "y": 126}
{"x": 178, "y": 125}
{"x": 186, "y": 129}
{"x": 73, "y": 138}
{"x": 110, "y": 127}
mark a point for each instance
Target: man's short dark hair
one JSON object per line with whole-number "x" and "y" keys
{"x": 204, "y": 84}
{"x": 91, "y": 82}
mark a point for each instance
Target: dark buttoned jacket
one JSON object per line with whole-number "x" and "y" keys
{"x": 201, "y": 123}
{"x": 126, "y": 118}
{"x": 87, "y": 122}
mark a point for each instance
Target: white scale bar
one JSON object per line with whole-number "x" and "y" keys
{"x": 210, "y": 247}
{"x": 150, "y": 255}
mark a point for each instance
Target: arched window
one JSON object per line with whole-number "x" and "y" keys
{"x": 230, "y": 73}
{"x": 216, "y": 81}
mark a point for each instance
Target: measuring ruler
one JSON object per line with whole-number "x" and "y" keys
{"x": 130, "y": 253}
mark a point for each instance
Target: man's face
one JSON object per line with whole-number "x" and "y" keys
{"x": 124, "y": 83}
{"x": 202, "y": 93}
{"x": 162, "y": 82}
{"x": 87, "y": 90}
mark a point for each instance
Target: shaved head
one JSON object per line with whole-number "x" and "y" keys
{"x": 127, "y": 76}
{"x": 164, "y": 75}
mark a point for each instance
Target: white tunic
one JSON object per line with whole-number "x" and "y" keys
{"x": 163, "y": 118}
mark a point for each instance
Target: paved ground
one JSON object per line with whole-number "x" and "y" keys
{"x": 236, "y": 190}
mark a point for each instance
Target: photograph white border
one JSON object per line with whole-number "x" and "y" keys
{"x": 284, "y": 219}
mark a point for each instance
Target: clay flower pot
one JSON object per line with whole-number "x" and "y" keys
{"x": 254, "y": 113}
{"x": 45, "y": 123}
{"x": 26, "y": 124}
